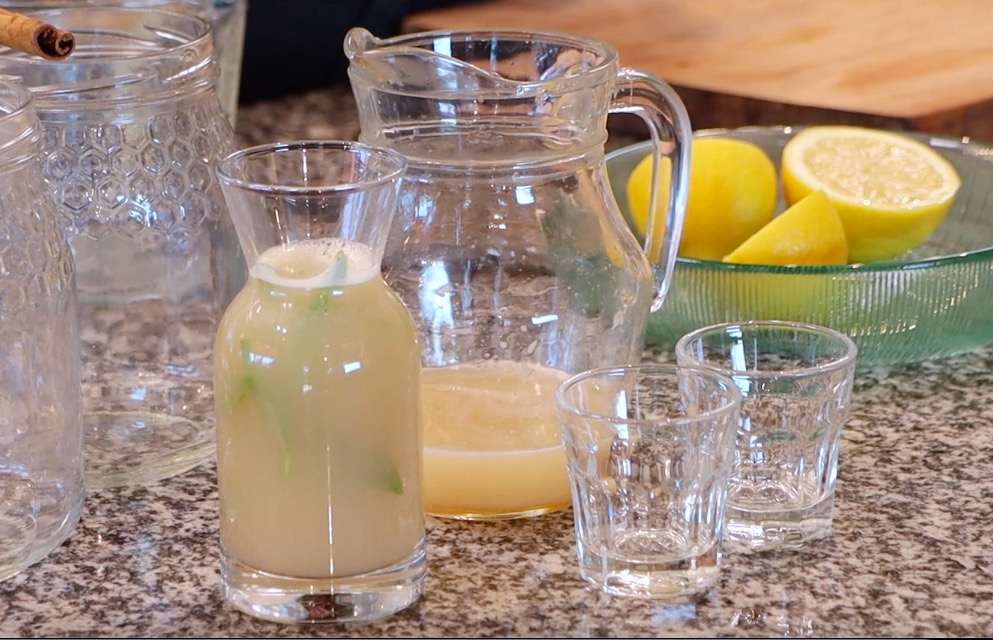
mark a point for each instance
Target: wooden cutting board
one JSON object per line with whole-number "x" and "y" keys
{"x": 923, "y": 65}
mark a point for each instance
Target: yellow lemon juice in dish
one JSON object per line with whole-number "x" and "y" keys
{"x": 492, "y": 447}
{"x": 316, "y": 372}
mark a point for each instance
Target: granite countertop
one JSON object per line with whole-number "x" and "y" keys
{"x": 911, "y": 553}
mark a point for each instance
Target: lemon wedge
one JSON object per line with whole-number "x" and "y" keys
{"x": 808, "y": 233}
{"x": 732, "y": 194}
{"x": 890, "y": 190}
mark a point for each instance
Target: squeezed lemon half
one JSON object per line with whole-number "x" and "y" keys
{"x": 890, "y": 191}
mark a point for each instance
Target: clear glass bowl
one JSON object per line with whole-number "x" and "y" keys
{"x": 933, "y": 302}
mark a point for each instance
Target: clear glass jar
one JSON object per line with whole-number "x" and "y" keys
{"x": 131, "y": 132}
{"x": 41, "y": 461}
{"x": 227, "y": 21}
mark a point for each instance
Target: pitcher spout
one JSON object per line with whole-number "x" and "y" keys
{"x": 425, "y": 64}
{"x": 359, "y": 40}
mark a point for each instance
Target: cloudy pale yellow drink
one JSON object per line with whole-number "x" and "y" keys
{"x": 491, "y": 440}
{"x": 316, "y": 374}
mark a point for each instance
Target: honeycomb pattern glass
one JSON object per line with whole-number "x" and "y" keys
{"x": 41, "y": 459}
{"x": 131, "y": 131}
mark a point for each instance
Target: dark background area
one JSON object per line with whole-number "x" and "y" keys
{"x": 296, "y": 45}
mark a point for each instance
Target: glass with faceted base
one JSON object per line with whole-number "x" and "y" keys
{"x": 649, "y": 452}
{"x": 796, "y": 383}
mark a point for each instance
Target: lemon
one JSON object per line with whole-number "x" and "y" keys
{"x": 732, "y": 194}
{"x": 890, "y": 190}
{"x": 808, "y": 233}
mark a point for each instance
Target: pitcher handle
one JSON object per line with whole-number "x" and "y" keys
{"x": 655, "y": 102}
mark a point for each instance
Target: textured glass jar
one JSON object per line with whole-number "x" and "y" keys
{"x": 41, "y": 461}
{"x": 131, "y": 131}
{"x": 226, "y": 17}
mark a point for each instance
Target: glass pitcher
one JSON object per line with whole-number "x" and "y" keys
{"x": 508, "y": 246}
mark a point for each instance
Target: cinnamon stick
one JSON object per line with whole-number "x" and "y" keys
{"x": 34, "y": 36}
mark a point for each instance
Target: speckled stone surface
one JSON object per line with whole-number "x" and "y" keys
{"x": 911, "y": 553}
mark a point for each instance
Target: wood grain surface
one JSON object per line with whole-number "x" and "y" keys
{"x": 925, "y": 65}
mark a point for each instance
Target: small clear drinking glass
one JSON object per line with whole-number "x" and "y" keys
{"x": 649, "y": 450}
{"x": 796, "y": 382}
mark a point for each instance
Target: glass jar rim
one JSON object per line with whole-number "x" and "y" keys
{"x": 18, "y": 123}
{"x": 119, "y": 52}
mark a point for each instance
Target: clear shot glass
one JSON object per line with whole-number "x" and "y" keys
{"x": 796, "y": 383}
{"x": 649, "y": 450}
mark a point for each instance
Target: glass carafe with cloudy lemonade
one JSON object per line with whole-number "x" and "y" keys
{"x": 317, "y": 392}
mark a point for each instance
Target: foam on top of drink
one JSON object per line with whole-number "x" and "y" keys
{"x": 317, "y": 264}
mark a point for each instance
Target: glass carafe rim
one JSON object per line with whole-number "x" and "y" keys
{"x": 607, "y": 54}
{"x": 226, "y": 169}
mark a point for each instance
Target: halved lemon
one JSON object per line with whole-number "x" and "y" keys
{"x": 890, "y": 190}
{"x": 808, "y": 233}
